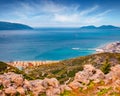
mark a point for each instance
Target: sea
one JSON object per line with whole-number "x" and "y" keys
{"x": 52, "y": 43}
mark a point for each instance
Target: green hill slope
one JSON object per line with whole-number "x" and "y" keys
{"x": 66, "y": 69}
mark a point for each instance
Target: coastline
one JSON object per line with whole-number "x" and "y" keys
{"x": 111, "y": 47}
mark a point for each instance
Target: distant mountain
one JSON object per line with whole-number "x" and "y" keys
{"x": 100, "y": 27}
{"x": 13, "y": 26}
{"x": 108, "y": 27}
{"x": 88, "y": 27}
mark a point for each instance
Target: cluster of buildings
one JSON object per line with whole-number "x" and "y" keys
{"x": 24, "y": 64}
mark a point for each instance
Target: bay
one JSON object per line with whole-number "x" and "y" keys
{"x": 52, "y": 43}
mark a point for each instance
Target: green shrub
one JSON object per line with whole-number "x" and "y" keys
{"x": 105, "y": 68}
{"x": 17, "y": 94}
{"x": 3, "y": 66}
{"x": 43, "y": 94}
{"x": 1, "y": 87}
{"x": 29, "y": 93}
{"x": 91, "y": 84}
{"x": 103, "y": 91}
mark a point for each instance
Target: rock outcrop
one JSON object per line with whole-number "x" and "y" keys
{"x": 84, "y": 77}
{"x": 15, "y": 83}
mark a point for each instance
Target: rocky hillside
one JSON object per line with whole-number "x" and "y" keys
{"x": 93, "y": 75}
{"x": 88, "y": 82}
{"x": 65, "y": 70}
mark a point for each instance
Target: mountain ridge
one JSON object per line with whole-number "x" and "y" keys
{"x": 13, "y": 26}
{"x": 100, "y": 27}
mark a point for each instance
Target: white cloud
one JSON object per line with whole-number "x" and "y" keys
{"x": 52, "y": 14}
{"x": 85, "y": 12}
{"x": 66, "y": 18}
{"x": 83, "y": 17}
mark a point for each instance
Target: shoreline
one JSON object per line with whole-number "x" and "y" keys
{"x": 111, "y": 47}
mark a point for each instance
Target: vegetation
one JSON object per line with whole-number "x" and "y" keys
{"x": 67, "y": 93}
{"x": 103, "y": 91}
{"x": 66, "y": 69}
{"x": 1, "y": 87}
{"x": 3, "y": 66}
{"x": 106, "y": 67}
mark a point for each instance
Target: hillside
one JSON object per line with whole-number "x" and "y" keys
{"x": 66, "y": 69}
{"x": 13, "y": 26}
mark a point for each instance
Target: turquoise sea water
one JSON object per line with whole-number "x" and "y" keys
{"x": 52, "y": 43}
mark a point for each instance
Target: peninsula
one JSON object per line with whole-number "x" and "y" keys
{"x": 111, "y": 48}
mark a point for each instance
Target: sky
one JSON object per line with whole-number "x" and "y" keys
{"x": 61, "y": 13}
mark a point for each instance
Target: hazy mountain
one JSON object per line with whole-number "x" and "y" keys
{"x": 108, "y": 27}
{"x": 13, "y": 26}
{"x": 88, "y": 27}
{"x": 100, "y": 27}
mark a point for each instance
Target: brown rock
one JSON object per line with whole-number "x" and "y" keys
{"x": 50, "y": 82}
{"x": 6, "y": 82}
{"x": 21, "y": 91}
{"x": 27, "y": 85}
{"x": 82, "y": 77}
{"x": 53, "y": 91}
{"x": 11, "y": 91}
{"x": 17, "y": 79}
{"x": 75, "y": 85}
{"x": 98, "y": 76}
{"x": 64, "y": 87}
{"x": 36, "y": 87}
{"x": 2, "y": 93}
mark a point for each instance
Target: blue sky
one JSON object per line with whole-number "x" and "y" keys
{"x": 61, "y": 13}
